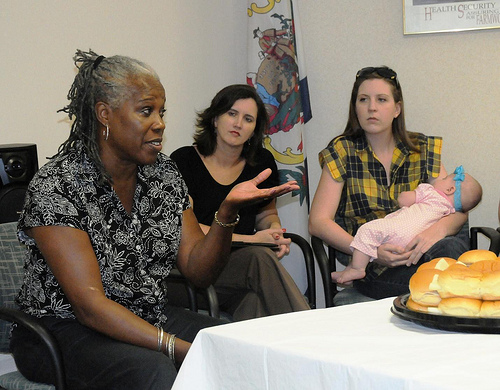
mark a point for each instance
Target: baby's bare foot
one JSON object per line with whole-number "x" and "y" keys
{"x": 348, "y": 275}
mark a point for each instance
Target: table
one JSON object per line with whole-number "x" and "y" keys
{"x": 361, "y": 346}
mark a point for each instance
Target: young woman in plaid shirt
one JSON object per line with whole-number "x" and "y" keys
{"x": 363, "y": 172}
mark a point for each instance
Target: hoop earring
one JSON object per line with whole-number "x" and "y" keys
{"x": 106, "y": 133}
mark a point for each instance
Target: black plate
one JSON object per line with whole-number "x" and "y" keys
{"x": 456, "y": 324}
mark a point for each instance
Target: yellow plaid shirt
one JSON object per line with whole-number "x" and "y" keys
{"x": 366, "y": 194}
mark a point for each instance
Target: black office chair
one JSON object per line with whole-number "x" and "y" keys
{"x": 490, "y": 233}
{"x": 11, "y": 278}
{"x": 327, "y": 264}
{"x": 194, "y": 294}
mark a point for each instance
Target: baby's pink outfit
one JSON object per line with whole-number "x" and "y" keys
{"x": 399, "y": 228}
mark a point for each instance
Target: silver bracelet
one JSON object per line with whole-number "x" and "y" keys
{"x": 160, "y": 338}
{"x": 171, "y": 348}
{"x": 226, "y": 225}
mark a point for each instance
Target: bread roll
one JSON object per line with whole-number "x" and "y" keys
{"x": 423, "y": 287}
{"x": 486, "y": 266}
{"x": 466, "y": 287}
{"x": 460, "y": 307}
{"x": 476, "y": 255}
{"x": 490, "y": 286}
{"x": 412, "y": 305}
{"x": 490, "y": 309}
{"x": 459, "y": 280}
{"x": 440, "y": 263}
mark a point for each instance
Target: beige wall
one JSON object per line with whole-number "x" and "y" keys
{"x": 191, "y": 44}
{"x": 450, "y": 81}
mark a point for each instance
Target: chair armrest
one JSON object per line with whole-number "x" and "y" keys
{"x": 324, "y": 268}
{"x": 492, "y": 234}
{"x": 176, "y": 276}
{"x": 209, "y": 293}
{"x": 213, "y": 301}
{"x": 30, "y": 323}
{"x": 307, "y": 252}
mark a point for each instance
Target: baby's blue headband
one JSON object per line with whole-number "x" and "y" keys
{"x": 459, "y": 178}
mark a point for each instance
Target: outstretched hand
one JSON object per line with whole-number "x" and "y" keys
{"x": 248, "y": 193}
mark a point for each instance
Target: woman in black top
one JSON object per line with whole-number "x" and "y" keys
{"x": 228, "y": 150}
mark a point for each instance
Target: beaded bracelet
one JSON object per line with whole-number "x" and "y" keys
{"x": 226, "y": 225}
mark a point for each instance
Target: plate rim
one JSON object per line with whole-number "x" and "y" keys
{"x": 437, "y": 321}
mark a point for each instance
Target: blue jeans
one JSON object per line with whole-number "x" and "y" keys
{"x": 395, "y": 281}
{"x": 95, "y": 361}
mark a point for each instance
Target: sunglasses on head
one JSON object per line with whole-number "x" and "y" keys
{"x": 386, "y": 73}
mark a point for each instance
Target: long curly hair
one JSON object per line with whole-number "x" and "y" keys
{"x": 99, "y": 78}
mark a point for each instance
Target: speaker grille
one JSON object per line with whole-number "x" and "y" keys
{"x": 18, "y": 164}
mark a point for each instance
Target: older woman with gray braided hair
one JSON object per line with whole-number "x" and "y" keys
{"x": 104, "y": 222}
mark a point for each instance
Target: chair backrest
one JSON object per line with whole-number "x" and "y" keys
{"x": 490, "y": 233}
{"x": 12, "y": 254}
{"x": 183, "y": 293}
{"x": 308, "y": 255}
{"x": 326, "y": 264}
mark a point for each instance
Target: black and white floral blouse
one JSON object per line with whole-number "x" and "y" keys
{"x": 135, "y": 252}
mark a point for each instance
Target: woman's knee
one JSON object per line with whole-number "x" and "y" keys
{"x": 139, "y": 368}
{"x": 150, "y": 370}
{"x": 263, "y": 258}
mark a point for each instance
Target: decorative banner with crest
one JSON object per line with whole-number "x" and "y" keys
{"x": 276, "y": 69}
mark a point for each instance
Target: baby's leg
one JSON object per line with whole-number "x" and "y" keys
{"x": 354, "y": 271}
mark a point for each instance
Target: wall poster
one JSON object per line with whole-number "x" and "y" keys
{"x": 434, "y": 16}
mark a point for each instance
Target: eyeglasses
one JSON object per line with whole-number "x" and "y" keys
{"x": 386, "y": 73}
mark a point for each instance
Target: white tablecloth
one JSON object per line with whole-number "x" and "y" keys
{"x": 361, "y": 346}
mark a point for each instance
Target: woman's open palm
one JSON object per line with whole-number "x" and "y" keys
{"x": 247, "y": 193}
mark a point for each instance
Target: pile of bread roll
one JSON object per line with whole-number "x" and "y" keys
{"x": 466, "y": 287}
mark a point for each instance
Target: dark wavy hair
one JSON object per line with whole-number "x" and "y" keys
{"x": 205, "y": 137}
{"x": 99, "y": 79}
{"x": 399, "y": 131}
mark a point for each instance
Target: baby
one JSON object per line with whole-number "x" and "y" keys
{"x": 420, "y": 209}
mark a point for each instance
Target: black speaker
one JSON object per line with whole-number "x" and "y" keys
{"x": 18, "y": 164}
